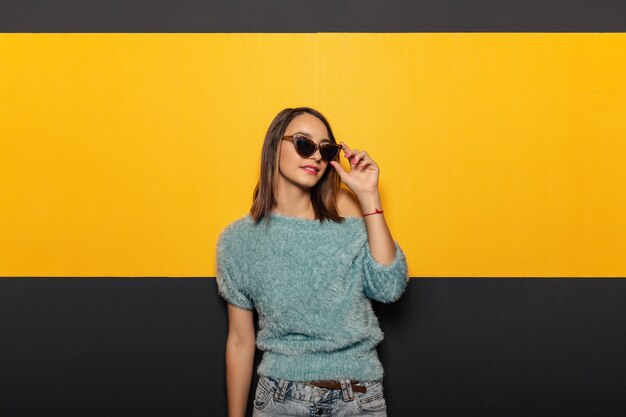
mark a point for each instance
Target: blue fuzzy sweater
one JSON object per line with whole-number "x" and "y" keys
{"x": 311, "y": 284}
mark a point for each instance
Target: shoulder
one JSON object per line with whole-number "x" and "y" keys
{"x": 234, "y": 233}
{"x": 348, "y": 204}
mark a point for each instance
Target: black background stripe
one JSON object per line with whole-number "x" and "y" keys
{"x": 313, "y": 16}
{"x": 470, "y": 347}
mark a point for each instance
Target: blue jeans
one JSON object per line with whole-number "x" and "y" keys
{"x": 281, "y": 397}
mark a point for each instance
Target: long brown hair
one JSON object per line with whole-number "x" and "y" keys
{"x": 323, "y": 194}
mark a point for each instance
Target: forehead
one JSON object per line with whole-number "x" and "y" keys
{"x": 308, "y": 125}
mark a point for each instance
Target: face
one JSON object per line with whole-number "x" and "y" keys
{"x": 290, "y": 166}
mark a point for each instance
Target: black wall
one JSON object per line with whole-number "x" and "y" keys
{"x": 313, "y": 16}
{"x": 453, "y": 347}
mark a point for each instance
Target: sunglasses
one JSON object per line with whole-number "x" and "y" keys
{"x": 307, "y": 147}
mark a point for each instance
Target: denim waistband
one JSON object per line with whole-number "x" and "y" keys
{"x": 305, "y": 391}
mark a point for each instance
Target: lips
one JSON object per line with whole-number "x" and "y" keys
{"x": 310, "y": 169}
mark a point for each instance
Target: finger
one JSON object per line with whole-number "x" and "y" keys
{"x": 358, "y": 157}
{"x": 353, "y": 154}
{"x": 361, "y": 163}
{"x": 366, "y": 163}
{"x": 346, "y": 149}
{"x": 342, "y": 172}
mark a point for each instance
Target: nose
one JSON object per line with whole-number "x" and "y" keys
{"x": 317, "y": 156}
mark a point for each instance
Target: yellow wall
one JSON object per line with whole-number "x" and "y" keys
{"x": 501, "y": 154}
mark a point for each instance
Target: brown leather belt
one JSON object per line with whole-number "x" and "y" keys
{"x": 333, "y": 384}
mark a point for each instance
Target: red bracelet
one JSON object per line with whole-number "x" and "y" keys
{"x": 376, "y": 212}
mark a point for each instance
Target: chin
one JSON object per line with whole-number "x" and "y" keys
{"x": 311, "y": 183}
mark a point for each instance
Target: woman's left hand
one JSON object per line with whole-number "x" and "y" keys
{"x": 363, "y": 175}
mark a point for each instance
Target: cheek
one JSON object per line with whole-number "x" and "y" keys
{"x": 286, "y": 158}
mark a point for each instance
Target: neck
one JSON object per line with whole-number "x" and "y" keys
{"x": 293, "y": 200}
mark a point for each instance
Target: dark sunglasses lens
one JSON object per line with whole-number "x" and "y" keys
{"x": 304, "y": 146}
{"x": 329, "y": 152}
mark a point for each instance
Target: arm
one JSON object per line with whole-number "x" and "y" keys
{"x": 385, "y": 267}
{"x": 240, "y": 349}
{"x": 384, "y": 264}
{"x": 363, "y": 182}
{"x": 379, "y": 237}
{"x": 241, "y": 340}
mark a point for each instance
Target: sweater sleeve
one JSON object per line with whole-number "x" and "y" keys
{"x": 385, "y": 283}
{"x": 229, "y": 279}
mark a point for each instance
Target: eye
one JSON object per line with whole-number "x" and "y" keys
{"x": 304, "y": 146}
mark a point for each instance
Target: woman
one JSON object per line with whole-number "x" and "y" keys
{"x": 308, "y": 261}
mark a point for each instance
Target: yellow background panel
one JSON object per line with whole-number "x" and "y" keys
{"x": 501, "y": 154}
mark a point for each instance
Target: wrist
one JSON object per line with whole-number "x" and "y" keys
{"x": 368, "y": 195}
{"x": 370, "y": 202}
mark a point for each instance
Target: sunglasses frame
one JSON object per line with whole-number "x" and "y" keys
{"x": 317, "y": 146}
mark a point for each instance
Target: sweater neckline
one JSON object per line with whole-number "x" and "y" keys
{"x": 299, "y": 222}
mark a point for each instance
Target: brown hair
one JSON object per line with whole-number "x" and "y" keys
{"x": 323, "y": 194}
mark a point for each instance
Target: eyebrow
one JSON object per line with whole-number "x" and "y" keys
{"x": 307, "y": 134}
